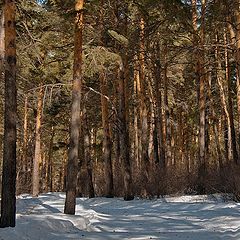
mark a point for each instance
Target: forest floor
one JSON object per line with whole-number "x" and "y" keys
{"x": 170, "y": 218}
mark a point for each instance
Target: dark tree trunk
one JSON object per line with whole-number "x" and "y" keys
{"x": 107, "y": 143}
{"x": 88, "y": 156}
{"x": 198, "y": 40}
{"x": 159, "y": 107}
{"x": 2, "y": 45}
{"x": 124, "y": 138}
{"x": 73, "y": 156}
{"x": 8, "y": 201}
{"x": 167, "y": 119}
{"x": 143, "y": 100}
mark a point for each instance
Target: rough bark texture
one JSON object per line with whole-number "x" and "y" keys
{"x": 73, "y": 156}
{"x": 88, "y": 157}
{"x": 230, "y": 103}
{"x": 37, "y": 152}
{"x": 107, "y": 143}
{"x": 198, "y": 40}
{"x": 136, "y": 112}
{"x": 8, "y": 197}
{"x": 1, "y": 45}
{"x": 159, "y": 107}
{"x": 237, "y": 24}
{"x": 143, "y": 107}
{"x": 124, "y": 139}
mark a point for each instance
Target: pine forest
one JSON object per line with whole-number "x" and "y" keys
{"x": 130, "y": 98}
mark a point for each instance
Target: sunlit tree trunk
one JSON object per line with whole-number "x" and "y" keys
{"x": 73, "y": 156}
{"x": 8, "y": 197}
{"x": 230, "y": 102}
{"x": 214, "y": 119}
{"x": 143, "y": 107}
{"x": 24, "y": 163}
{"x": 235, "y": 40}
{"x": 37, "y": 151}
{"x": 25, "y": 135}
{"x": 136, "y": 93}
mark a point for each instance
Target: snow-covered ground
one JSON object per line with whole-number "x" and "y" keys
{"x": 188, "y": 217}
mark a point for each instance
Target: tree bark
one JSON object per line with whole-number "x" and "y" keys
{"x": 25, "y": 135}
{"x": 136, "y": 92}
{"x": 230, "y": 102}
{"x": 2, "y": 37}
{"x": 159, "y": 107}
{"x": 226, "y": 104}
{"x": 88, "y": 156}
{"x": 49, "y": 171}
{"x": 24, "y": 162}
{"x": 37, "y": 152}
{"x": 124, "y": 136}
{"x": 143, "y": 107}
{"x": 235, "y": 40}
{"x": 73, "y": 156}
{"x": 107, "y": 143}
{"x": 167, "y": 119}
{"x": 8, "y": 197}
{"x": 200, "y": 77}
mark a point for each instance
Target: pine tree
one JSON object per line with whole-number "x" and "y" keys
{"x": 73, "y": 157}
{"x": 8, "y": 202}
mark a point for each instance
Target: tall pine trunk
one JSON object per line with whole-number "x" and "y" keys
{"x": 124, "y": 135}
{"x": 37, "y": 151}
{"x": 88, "y": 156}
{"x": 25, "y": 136}
{"x": 143, "y": 106}
{"x": 159, "y": 107}
{"x": 8, "y": 197}
{"x": 2, "y": 46}
{"x": 198, "y": 40}
{"x": 236, "y": 36}
{"x": 73, "y": 155}
{"x": 230, "y": 102}
{"x": 136, "y": 92}
{"x": 107, "y": 144}
{"x": 167, "y": 118}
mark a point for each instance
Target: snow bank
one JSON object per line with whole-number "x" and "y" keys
{"x": 187, "y": 217}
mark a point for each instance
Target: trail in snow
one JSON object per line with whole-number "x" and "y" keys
{"x": 189, "y": 217}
